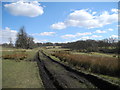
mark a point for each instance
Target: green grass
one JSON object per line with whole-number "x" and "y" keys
{"x": 0, "y": 68}
{"x": 21, "y": 74}
{"x": 112, "y": 79}
{"x": 31, "y": 54}
{"x": 96, "y": 54}
{"x": 0, "y": 73}
{"x": 58, "y": 49}
{"x": 5, "y": 48}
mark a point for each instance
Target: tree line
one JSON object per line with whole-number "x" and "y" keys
{"x": 26, "y": 41}
{"x": 109, "y": 45}
{"x": 23, "y": 40}
{"x": 104, "y": 46}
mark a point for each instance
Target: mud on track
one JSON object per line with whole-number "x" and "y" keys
{"x": 58, "y": 76}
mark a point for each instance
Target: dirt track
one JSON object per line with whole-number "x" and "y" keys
{"x": 59, "y": 76}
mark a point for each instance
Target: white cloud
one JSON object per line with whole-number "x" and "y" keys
{"x": 110, "y": 29}
{"x": 80, "y": 15}
{"x": 20, "y": 8}
{"x": 114, "y": 36}
{"x": 95, "y": 36}
{"x": 67, "y": 36}
{"x": 93, "y": 13}
{"x": 114, "y": 10}
{"x": 106, "y": 18}
{"x": 118, "y": 25}
{"x": 47, "y": 33}
{"x": 40, "y": 41}
{"x": 86, "y": 18}
{"x": 6, "y": 34}
{"x": 90, "y": 37}
{"x": 85, "y": 38}
{"x": 82, "y": 34}
{"x": 100, "y": 31}
{"x": 44, "y": 34}
{"x": 59, "y": 25}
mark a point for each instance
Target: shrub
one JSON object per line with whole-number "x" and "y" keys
{"x": 103, "y": 65}
{"x": 15, "y": 56}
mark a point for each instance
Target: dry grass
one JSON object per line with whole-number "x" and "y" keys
{"x": 96, "y": 64}
{"x": 19, "y": 56}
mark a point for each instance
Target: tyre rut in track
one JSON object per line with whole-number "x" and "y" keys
{"x": 59, "y": 76}
{"x": 62, "y": 77}
{"x": 45, "y": 75}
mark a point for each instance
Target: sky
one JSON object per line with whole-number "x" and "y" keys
{"x": 60, "y": 21}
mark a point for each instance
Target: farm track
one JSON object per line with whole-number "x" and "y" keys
{"x": 58, "y": 76}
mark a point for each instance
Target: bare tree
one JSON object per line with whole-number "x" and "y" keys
{"x": 23, "y": 40}
{"x": 30, "y": 42}
{"x": 10, "y": 43}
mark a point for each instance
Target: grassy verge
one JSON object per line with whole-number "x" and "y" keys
{"x": 19, "y": 70}
{"x": 112, "y": 79}
{"x": 0, "y": 68}
{"x": 103, "y": 65}
{"x": 20, "y": 75}
{"x": 0, "y": 74}
{"x": 96, "y": 54}
{"x": 18, "y": 54}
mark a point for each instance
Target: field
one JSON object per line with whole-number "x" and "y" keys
{"x": 0, "y": 73}
{"x": 103, "y": 65}
{"x": 18, "y": 54}
{"x": 19, "y": 69}
{"x": 20, "y": 75}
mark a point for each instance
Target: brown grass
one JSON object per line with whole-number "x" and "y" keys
{"x": 96, "y": 64}
{"x": 15, "y": 56}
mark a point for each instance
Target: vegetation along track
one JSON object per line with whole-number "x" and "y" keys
{"x": 59, "y": 76}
